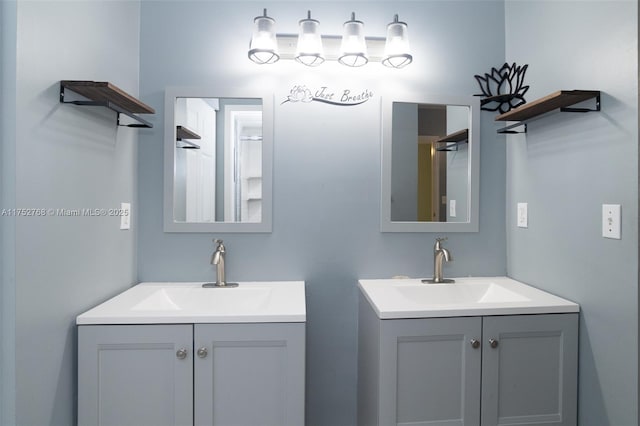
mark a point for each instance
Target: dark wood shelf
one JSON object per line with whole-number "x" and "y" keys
{"x": 459, "y": 136}
{"x": 562, "y": 99}
{"x": 452, "y": 140}
{"x": 183, "y": 132}
{"x": 102, "y": 93}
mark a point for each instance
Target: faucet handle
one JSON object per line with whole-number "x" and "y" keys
{"x": 219, "y": 243}
{"x": 437, "y": 246}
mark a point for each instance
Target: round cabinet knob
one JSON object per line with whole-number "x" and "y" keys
{"x": 202, "y": 352}
{"x": 493, "y": 343}
{"x": 181, "y": 353}
{"x": 475, "y": 344}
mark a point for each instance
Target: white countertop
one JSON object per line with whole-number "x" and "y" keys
{"x": 468, "y": 296}
{"x": 189, "y": 302}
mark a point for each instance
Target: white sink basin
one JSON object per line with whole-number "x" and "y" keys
{"x": 410, "y": 298}
{"x": 171, "y": 303}
{"x": 198, "y": 299}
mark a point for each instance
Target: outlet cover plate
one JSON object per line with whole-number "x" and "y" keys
{"x": 611, "y": 221}
{"x": 523, "y": 215}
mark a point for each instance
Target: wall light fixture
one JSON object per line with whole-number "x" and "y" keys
{"x": 396, "y": 50}
{"x": 353, "y": 50}
{"x": 311, "y": 48}
{"x": 264, "y": 47}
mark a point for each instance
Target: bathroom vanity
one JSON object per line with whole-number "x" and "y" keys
{"x": 481, "y": 351}
{"x": 179, "y": 354}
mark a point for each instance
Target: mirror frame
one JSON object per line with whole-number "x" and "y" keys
{"x": 171, "y": 93}
{"x": 473, "y": 181}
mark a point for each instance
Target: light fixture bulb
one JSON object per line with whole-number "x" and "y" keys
{"x": 397, "y": 53}
{"x": 353, "y": 50}
{"x": 263, "y": 48}
{"x": 309, "y": 51}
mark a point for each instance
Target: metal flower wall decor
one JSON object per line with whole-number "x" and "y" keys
{"x": 503, "y": 89}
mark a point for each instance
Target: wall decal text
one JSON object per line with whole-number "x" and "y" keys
{"x": 344, "y": 97}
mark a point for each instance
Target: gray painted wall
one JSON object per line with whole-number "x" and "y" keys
{"x": 7, "y": 224}
{"x": 566, "y": 167}
{"x": 326, "y": 163}
{"x": 65, "y": 157}
{"x": 404, "y": 164}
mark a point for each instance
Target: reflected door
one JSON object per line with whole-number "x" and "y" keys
{"x": 198, "y": 177}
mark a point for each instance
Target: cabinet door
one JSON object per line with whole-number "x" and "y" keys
{"x": 130, "y": 375}
{"x": 530, "y": 376}
{"x": 430, "y": 372}
{"x": 251, "y": 374}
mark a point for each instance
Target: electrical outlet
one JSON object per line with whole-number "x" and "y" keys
{"x": 452, "y": 208}
{"x": 125, "y": 215}
{"x": 611, "y": 221}
{"x": 523, "y": 215}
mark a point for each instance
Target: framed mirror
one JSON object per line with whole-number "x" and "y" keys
{"x": 430, "y": 164}
{"x": 218, "y": 152}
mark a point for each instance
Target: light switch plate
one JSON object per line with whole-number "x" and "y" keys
{"x": 125, "y": 215}
{"x": 611, "y": 221}
{"x": 452, "y": 208}
{"x": 523, "y": 215}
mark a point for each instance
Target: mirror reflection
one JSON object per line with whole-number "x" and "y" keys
{"x": 218, "y": 155}
{"x": 218, "y": 159}
{"x": 430, "y": 162}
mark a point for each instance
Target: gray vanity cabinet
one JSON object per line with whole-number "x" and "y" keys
{"x": 531, "y": 375}
{"x": 129, "y": 375}
{"x": 191, "y": 374}
{"x": 445, "y": 371}
{"x": 251, "y": 374}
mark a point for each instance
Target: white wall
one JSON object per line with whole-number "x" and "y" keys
{"x": 326, "y": 226}
{"x": 458, "y": 166}
{"x": 566, "y": 167}
{"x": 66, "y": 157}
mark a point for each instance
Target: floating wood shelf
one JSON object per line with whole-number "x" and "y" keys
{"x": 186, "y": 133}
{"x": 452, "y": 140}
{"x": 459, "y": 136}
{"x": 102, "y": 93}
{"x": 183, "y": 134}
{"x": 562, "y": 99}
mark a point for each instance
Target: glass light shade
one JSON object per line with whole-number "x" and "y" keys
{"x": 397, "y": 53}
{"x": 263, "y": 48}
{"x": 353, "y": 50}
{"x": 309, "y": 50}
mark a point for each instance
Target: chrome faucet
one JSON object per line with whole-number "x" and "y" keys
{"x": 218, "y": 259}
{"x": 440, "y": 254}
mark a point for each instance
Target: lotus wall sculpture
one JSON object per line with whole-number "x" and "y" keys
{"x": 503, "y": 89}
